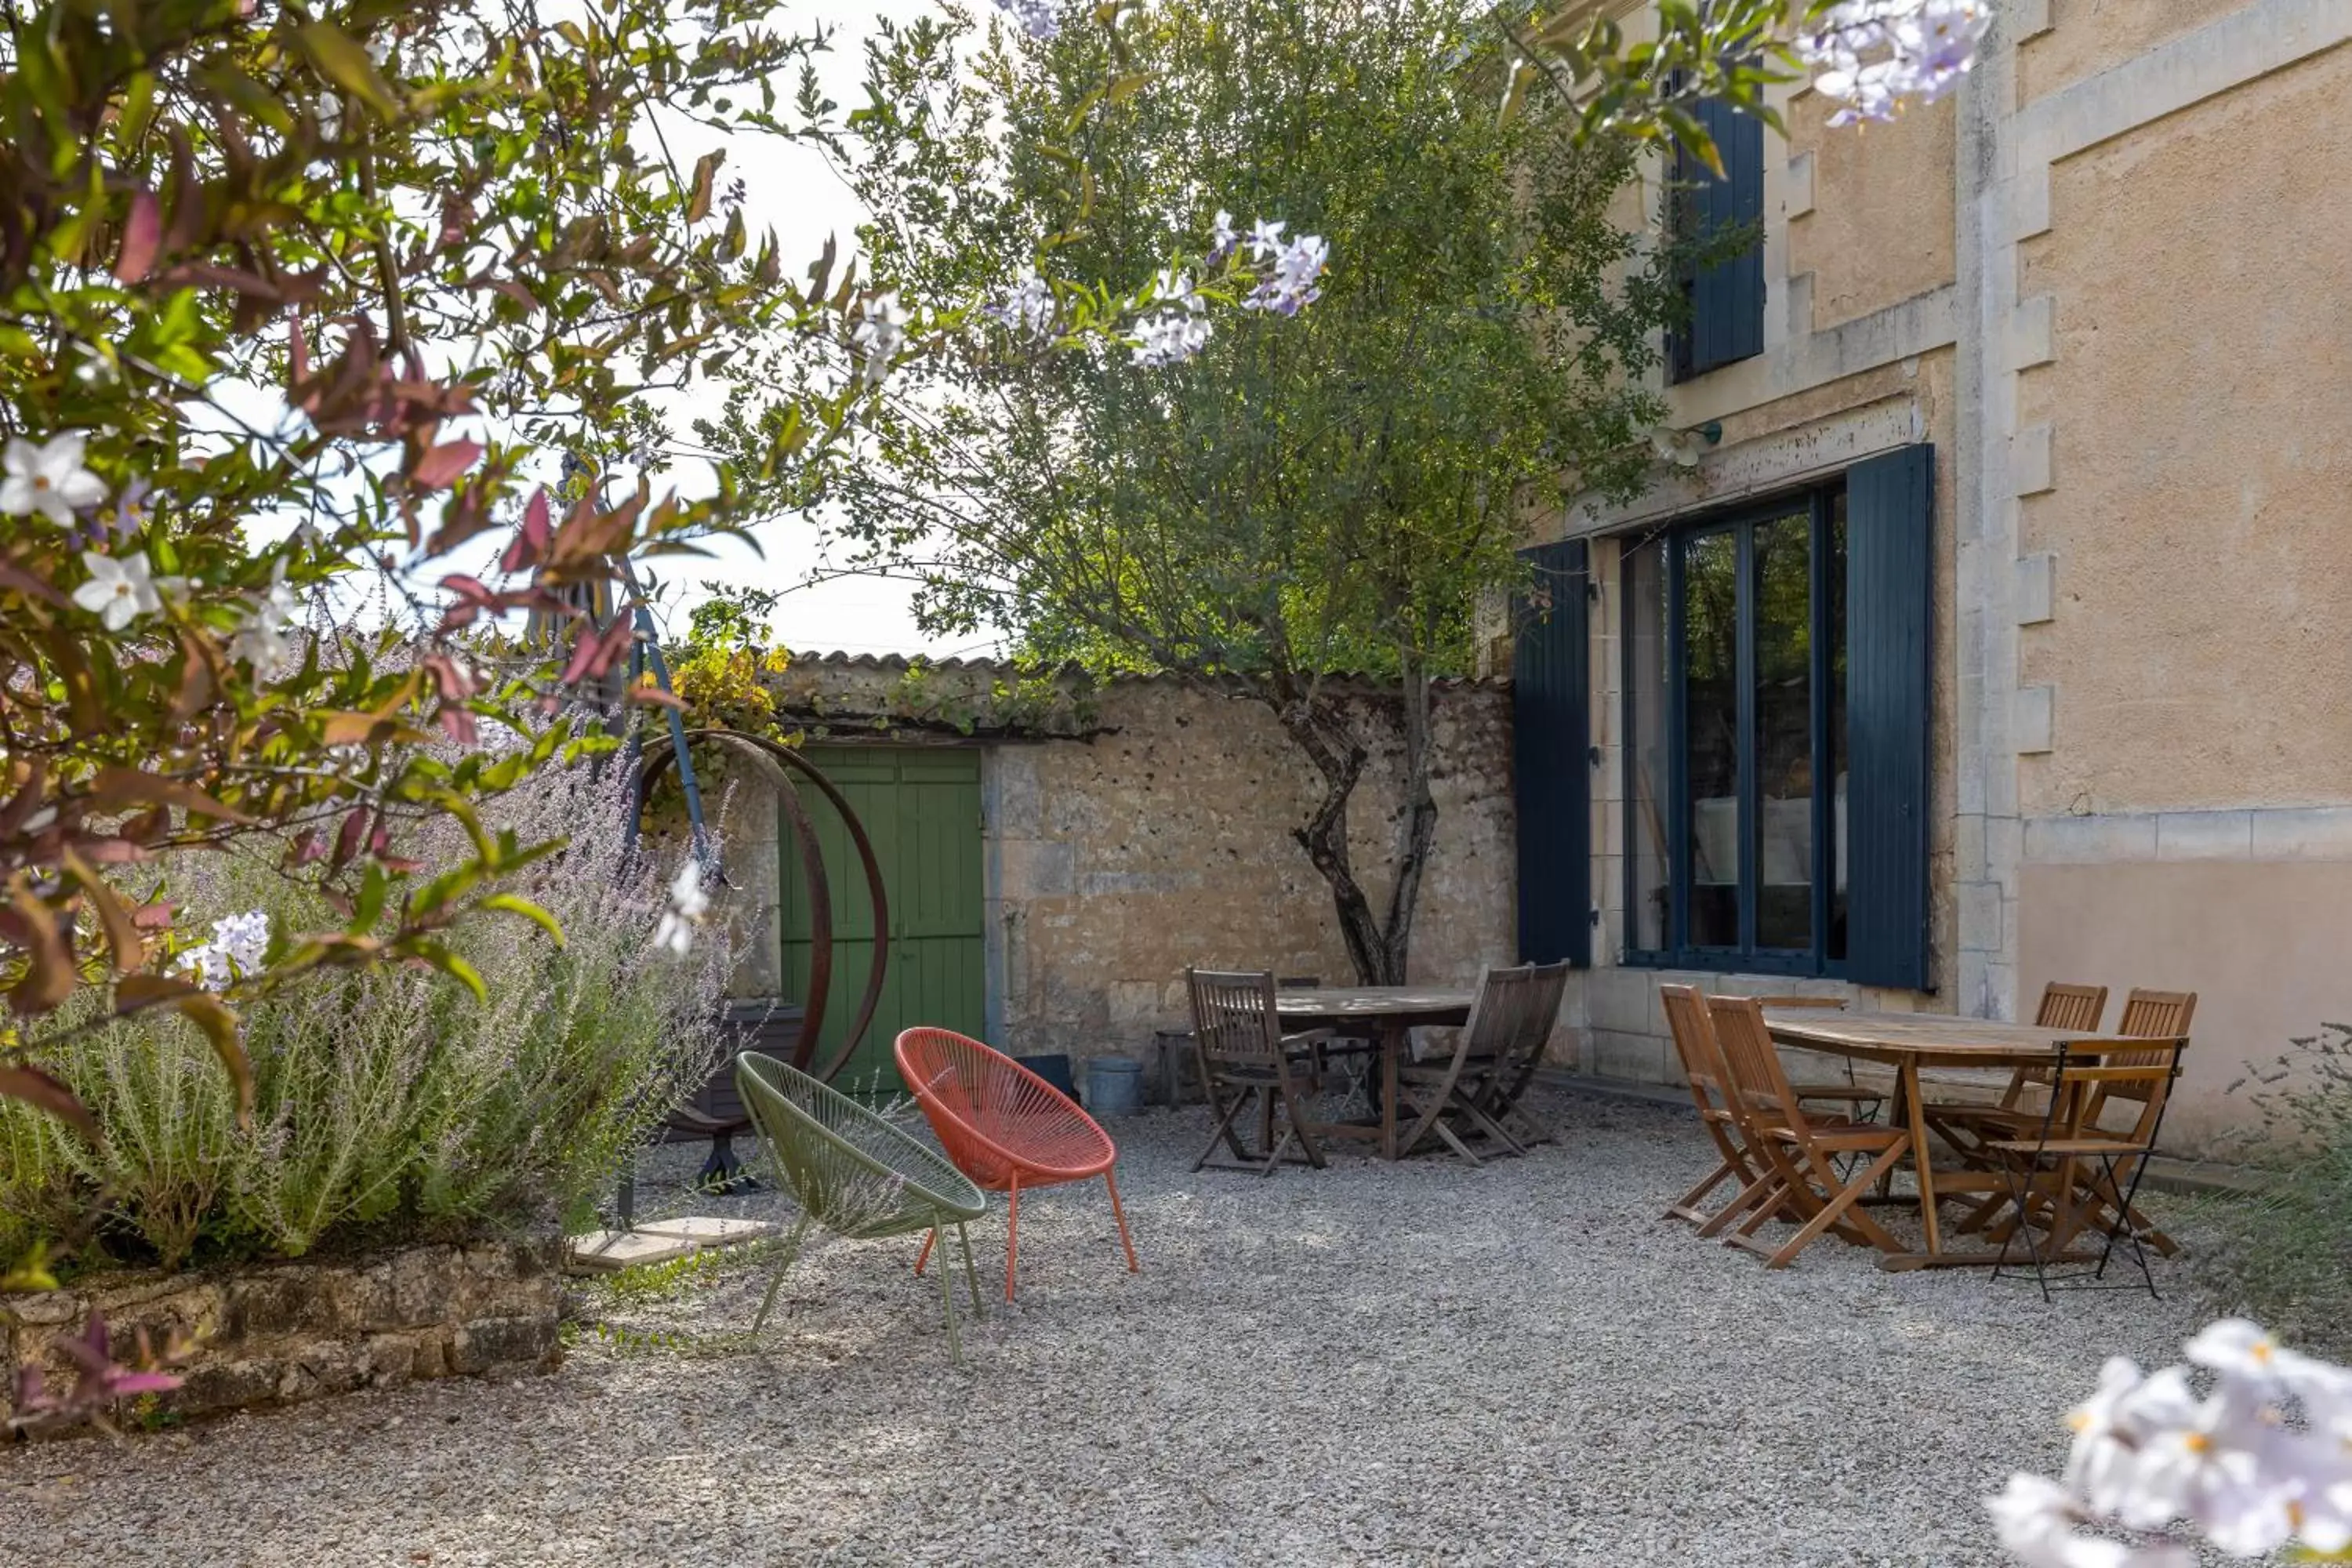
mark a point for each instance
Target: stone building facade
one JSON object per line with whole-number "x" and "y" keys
{"x": 2101, "y": 293}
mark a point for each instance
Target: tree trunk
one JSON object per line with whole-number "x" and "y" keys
{"x": 1379, "y": 948}
{"x": 1319, "y": 730}
{"x": 1419, "y": 828}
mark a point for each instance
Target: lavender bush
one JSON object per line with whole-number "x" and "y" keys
{"x": 389, "y": 1103}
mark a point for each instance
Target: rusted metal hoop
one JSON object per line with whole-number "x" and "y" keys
{"x": 660, "y": 756}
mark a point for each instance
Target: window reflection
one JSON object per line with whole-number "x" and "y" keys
{"x": 1782, "y": 833}
{"x": 1646, "y": 762}
{"x": 1711, "y": 734}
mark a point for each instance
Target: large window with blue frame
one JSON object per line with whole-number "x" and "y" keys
{"x": 1735, "y": 646}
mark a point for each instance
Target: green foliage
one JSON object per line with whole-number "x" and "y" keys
{"x": 385, "y": 1105}
{"x": 1329, "y": 492}
{"x": 1333, "y": 492}
{"x": 2283, "y": 1255}
{"x": 296, "y": 304}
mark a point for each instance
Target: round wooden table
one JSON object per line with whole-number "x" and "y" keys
{"x": 1388, "y": 1013}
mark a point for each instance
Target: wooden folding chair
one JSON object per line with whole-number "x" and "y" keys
{"x": 1967, "y": 1126}
{"x": 1501, "y": 1092}
{"x": 1703, "y": 1070}
{"x": 1509, "y": 1022}
{"x": 2071, "y": 1175}
{"x": 1244, "y": 1057}
{"x": 2155, "y": 1016}
{"x": 1803, "y": 1153}
{"x": 1852, "y": 1092}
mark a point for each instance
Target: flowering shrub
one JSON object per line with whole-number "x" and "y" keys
{"x": 2261, "y": 1458}
{"x": 299, "y": 308}
{"x": 388, "y": 1103}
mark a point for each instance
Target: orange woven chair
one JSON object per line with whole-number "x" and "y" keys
{"x": 1005, "y": 1127}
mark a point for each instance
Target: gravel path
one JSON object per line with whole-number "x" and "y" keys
{"x": 1370, "y": 1365}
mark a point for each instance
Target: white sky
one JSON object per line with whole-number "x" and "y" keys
{"x": 792, "y": 190}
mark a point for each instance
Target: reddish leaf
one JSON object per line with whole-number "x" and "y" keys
{"x": 455, "y": 684}
{"x": 141, "y": 232}
{"x": 530, "y": 540}
{"x": 38, "y": 1089}
{"x": 119, "y": 786}
{"x": 594, "y": 654}
{"x": 48, "y": 943}
{"x": 459, "y": 726}
{"x": 156, "y": 916}
{"x": 136, "y": 992}
{"x": 347, "y": 837}
{"x": 439, "y": 468}
{"x": 130, "y": 949}
{"x": 307, "y": 847}
{"x": 298, "y": 354}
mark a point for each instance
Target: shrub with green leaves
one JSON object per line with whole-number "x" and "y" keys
{"x": 2283, "y": 1253}
{"x": 389, "y": 1104}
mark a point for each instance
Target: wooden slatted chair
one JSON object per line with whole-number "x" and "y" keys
{"x": 1966, "y": 1126}
{"x": 1802, "y": 1152}
{"x": 2078, "y": 1172}
{"x": 2146, "y": 1015}
{"x": 1863, "y": 1100}
{"x": 2155, "y": 1016}
{"x": 1005, "y": 1127}
{"x": 1244, "y": 1056}
{"x": 1703, "y": 1070}
{"x": 1510, "y": 1020}
{"x": 1502, "y": 1090}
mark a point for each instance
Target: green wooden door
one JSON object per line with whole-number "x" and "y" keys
{"x": 921, "y": 809}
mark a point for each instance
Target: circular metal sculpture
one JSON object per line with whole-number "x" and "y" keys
{"x": 662, "y": 755}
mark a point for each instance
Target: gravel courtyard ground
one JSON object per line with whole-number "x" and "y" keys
{"x": 1369, "y": 1364}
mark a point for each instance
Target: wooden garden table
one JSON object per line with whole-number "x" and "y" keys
{"x": 1392, "y": 1011}
{"x": 1910, "y": 1041}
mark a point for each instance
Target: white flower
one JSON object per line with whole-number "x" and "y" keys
{"x": 1175, "y": 290}
{"x": 2241, "y": 1350}
{"x": 1265, "y": 239}
{"x": 1037, "y": 17}
{"x": 687, "y": 903}
{"x": 2099, "y": 1466}
{"x": 2035, "y": 1520}
{"x": 875, "y": 338}
{"x": 47, "y": 479}
{"x": 245, "y": 938}
{"x": 1171, "y": 338}
{"x": 119, "y": 589}
{"x": 2197, "y": 1460}
{"x": 207, "y": 965}
{"x": 234, "y": 952}
{"x": 1874, "y": 55}
{"x": 1027, "y": 306}
{"x": 1223, "y": 237}
{"x": 261, "y": 641}
{"x": 378, "y": 50}
{"x": 1290, "y": 286}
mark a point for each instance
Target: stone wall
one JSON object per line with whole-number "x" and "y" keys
{"x": 1166, "y": 841}
{"x": 282, "y": 1333}
{"x": 1139, "y": 826}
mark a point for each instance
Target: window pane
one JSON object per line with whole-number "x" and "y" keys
{"x": 1837, "y": 624}
{"x": 1711, "y": 734}
{"x": 1784, "y": 731}
{"x": 1645, "y": 748}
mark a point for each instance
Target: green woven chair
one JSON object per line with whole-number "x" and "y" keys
{"x": 854, "y": 1173}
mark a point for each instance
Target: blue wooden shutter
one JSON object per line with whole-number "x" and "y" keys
{"x": 1551, "y": 665}
{"x": 1726, "y": 299}
{"x": 1890, "y": 576}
